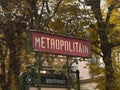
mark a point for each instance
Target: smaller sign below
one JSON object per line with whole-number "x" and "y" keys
{"x": 54, "y": 80}
{"x": 48, "y": 80}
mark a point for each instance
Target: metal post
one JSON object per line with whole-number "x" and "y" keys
{"x": 39, "y": 76}
{"x": 38, "y": 70}
{"x": 78, "y": 79}
{"x": 69, "y": 79}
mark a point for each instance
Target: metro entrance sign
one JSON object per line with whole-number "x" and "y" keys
{"x": 56, "y": 44}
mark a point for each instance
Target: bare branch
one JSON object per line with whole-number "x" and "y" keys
{"x": 57, "y": 6}
{"x": 43, "y": 3}
{"x": 47, "y": 7}
{"x": 95, "y": 4}
{"x": 92, "y": 26}
{"x": 110, "y": 9}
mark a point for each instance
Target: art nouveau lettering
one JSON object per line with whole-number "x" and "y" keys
{"x": 60, "y": 45}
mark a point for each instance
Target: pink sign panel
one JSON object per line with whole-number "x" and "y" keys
{"x": 56, "y": 44}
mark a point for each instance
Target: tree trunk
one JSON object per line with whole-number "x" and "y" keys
{"x": 110, "y": 84}
{"x": 3, "y": 76}
{"x": 14, "y": 42}
{"x": 3, "y": 66}
{"x": 3, "y": 73}
{"x": 11, "y": 46}
{"x": 110, "y": 80}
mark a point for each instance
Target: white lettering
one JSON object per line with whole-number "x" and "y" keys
{"x": 70, "y": 47}
{"x": 57, "y": 44}
{"x": 52, "y": 44}
{"x": 76, "y": 46}
{"x": 80, "y": 48}
{"x": 66, "y": 45}
{"x": 73, "y": 47}
{"x": 42, "y": 42}
{"x": 55, "y": 81}
{"x": 37, "y": 42}
{"x": 48, "y": 42}
{"x": 61, "y": 44}
{"x": 86, "y": 49}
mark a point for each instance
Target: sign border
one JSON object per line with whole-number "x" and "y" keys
{"x": 56, "y": 35}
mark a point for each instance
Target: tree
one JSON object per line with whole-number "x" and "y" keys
{"x": 3, "y": 54}
{"x": 68, "y": 17}
{"x": 18, "y": 18}
{"x": 15, "y": 20}
{"x": 97, "y": 69}
{"x": 105, "y": 41}
{"x": 12, "y": 30}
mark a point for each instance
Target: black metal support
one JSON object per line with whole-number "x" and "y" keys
{"x": 69, "y": 78}
{"x": 39, "y": 65}
{"x": 78, "y": 79}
